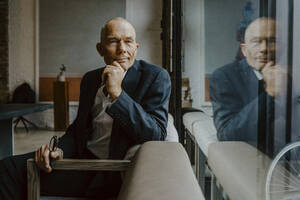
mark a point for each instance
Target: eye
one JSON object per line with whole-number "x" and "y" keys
{"x": 256, "y": 41}
{"x": 113, "y": 41}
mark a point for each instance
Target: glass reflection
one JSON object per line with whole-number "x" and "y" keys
{"x": 243, "y": 92}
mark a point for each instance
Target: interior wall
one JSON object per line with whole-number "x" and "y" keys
{"x": 4, "y": 68}
{"x": 145, "y": 16}
{"x": 21, "y": 43}
{"x": 69, "y": 32}
{"x": 221, "y": 21}
{"x": 192, "y": 48}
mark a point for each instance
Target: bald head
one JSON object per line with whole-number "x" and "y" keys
{"x": 260, "y": 42}
{"x": 259, "y": 27}
{"x": 113, "y": 23}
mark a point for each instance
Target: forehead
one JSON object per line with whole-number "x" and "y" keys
{"x": 261, "y": 29}
{"x": 120, "y": 29}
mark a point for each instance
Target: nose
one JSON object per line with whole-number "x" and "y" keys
{"x": 122, "y": 47}
{"x": 263, "y": 45}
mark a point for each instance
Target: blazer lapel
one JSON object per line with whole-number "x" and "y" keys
{"x": 249, "y": 78}
{"x": 96, "y": 84}
{"x": 131, "y": 79}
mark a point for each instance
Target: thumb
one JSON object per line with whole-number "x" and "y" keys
{"x": 57, "y": 154}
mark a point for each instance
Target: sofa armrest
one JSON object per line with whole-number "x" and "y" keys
{"x": 240, "y": 168}
{"x": 160, "y": 171}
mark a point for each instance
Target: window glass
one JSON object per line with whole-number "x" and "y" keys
{"x": 241, "y": 63}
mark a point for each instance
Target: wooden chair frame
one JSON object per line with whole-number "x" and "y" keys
{"x": 33, "y": 172}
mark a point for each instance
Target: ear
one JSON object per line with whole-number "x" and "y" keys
{"x": 244, "y": 49}
{"x": 100, "y": 49}
{"x": 137, "y": 45}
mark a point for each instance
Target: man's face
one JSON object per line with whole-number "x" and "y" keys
{"x": 118, "y": 44}
{"x": 260, "y": 43}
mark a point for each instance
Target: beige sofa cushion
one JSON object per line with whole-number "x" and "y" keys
{"x": 205, "y": 133}
{"x": 189, "y": 118}
{"x": 240, "y": 168}
{"x": 160, "y": 171}
{"x": 202, "y": 127}
{"x": 172, "y": 135}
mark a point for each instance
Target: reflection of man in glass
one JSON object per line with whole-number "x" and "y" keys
{"x": 242, "y": 93}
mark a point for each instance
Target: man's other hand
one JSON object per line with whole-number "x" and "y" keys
{"x": 114, "y": 76}
{"x": 42, "y": 157}
{"x": 275, "y": 78}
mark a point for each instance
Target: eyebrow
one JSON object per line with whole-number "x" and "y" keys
{"x": 114, "y": 37}
{"x": 258, "y": 38}
{"x": 129, "y": 38}
{"x": 111, "y": 37}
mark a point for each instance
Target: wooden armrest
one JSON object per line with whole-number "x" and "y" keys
{"x": 91, "y": 165}
{"x": 33, "y": 172}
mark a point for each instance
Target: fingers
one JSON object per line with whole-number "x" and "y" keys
{"x": 268, "y": 66}
{"x": 275, "y": 78}
{"x": 111, "y": 70}
{"x": 115, "y": 75}
{"x": 103, "y": 75}
{"x": 44, "y": 152}
{"x": 108, "y": 70}
{"x": 45, "y": 158}
{"x": 42, "y": 158}
{"x": 116, "y": 64}
{"x": 57, "y": 154}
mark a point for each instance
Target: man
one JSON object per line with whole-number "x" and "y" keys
{"x": 121, "y": 105}
{"x": 243, "y": 92}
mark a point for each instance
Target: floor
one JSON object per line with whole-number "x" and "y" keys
{"x": 27, "y": 142}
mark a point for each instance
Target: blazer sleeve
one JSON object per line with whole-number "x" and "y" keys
{"x": 147, "y": 120}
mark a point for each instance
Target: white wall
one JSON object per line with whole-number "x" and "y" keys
{"x": 70, "y": 35}
{"x": 145, "y": 15}
{"x": 21, "y": 43}
{"x": 69, "y": 32}
{"x": 221, "y": 21}
{"x": 192, "y": 48}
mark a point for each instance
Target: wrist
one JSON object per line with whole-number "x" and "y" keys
{"x": 270, "y": 93}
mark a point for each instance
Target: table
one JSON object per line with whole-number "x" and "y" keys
{"x": 7, "y": 112}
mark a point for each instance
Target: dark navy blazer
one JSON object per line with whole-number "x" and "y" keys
{"x": 235, "y": 98}
{"x": 140, "y": 112}
{"x": 242, "y": 112}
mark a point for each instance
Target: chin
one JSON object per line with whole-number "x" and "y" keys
{"x": 260, "y": 66}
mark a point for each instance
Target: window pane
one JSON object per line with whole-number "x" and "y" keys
{"x": 242, "y": 64}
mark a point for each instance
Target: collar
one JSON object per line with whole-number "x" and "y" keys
{"x": 132, "y": 78}
{"x": 258, "y": 74}
{"x": 247, "y": 68}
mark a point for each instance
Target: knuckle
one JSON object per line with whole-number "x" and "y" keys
{"x": 44, "y": 156}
